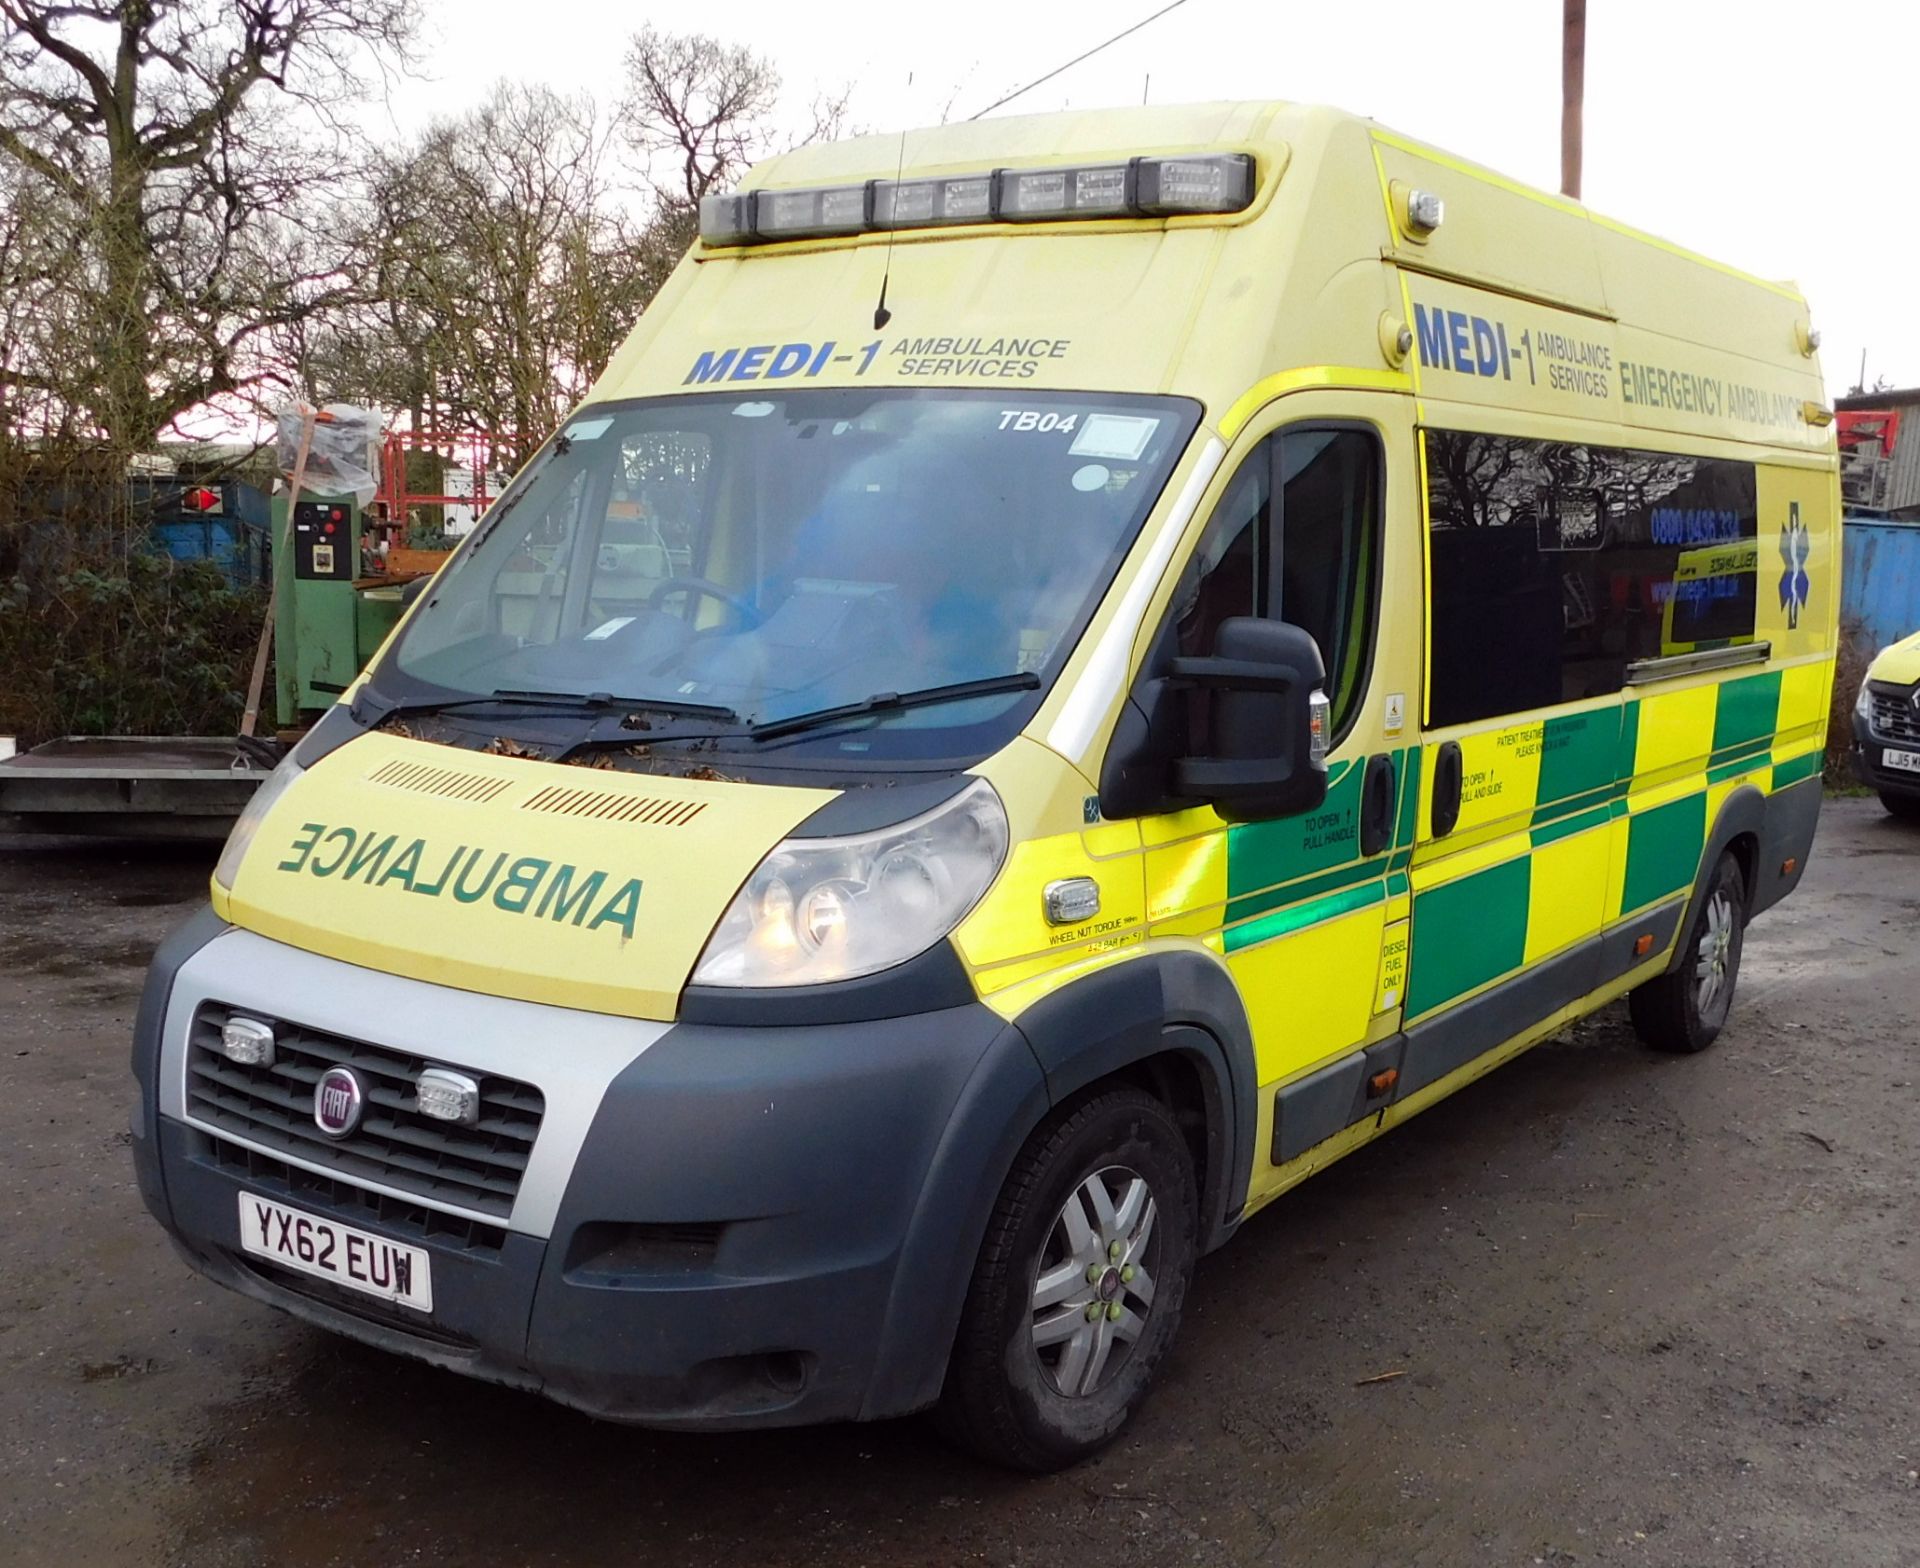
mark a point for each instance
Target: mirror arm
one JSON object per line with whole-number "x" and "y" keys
{"x": 1240, "y": 674}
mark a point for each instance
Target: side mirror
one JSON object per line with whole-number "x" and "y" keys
{"x": 1257, "y": 722}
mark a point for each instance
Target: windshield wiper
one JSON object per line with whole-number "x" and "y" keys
{"x": 600, "y": 702}
{"x": 896, "y": 701}
{"x": 593, "y": 703}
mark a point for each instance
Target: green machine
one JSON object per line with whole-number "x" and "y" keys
{"x": 329, "y": 617}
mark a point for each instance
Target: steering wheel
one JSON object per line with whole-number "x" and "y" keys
{"x": 705, "y": 588}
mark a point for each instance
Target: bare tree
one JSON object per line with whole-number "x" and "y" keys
{"x": 151, "y": 144}
{"x": 697, "y": 112}
{"x": 507, "y": 272}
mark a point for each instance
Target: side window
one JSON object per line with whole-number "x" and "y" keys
{"x": 1228, "y": 573}
{"x": 1557, "y": 565}
{"x": 1311, "y": 560}
{"x": 1327, "y": 568}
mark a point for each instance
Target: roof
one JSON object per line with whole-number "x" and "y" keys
{"x": 1892, "y": 397}
{"x": 1605, "y": 322}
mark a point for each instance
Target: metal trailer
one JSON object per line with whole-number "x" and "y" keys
{"x": 150, "y": 786}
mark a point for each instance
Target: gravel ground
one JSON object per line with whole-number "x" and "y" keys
{"x": 1645, "y": 1311}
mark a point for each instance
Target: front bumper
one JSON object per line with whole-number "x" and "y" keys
{"x": 1869, "y": 755}
{"x": 718, "y": 1225}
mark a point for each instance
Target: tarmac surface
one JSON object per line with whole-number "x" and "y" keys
{"x": 1645, "y": 1310}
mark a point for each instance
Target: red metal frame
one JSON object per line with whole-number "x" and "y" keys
{"x": 1869, "y": 424}
{"x": 472, "y": 450}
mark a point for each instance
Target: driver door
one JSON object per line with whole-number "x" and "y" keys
{"x": 1310, "y": 912}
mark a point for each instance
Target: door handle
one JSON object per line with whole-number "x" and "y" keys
{"x": 1448, "y": 775}
{"x": 1376, "y": 806}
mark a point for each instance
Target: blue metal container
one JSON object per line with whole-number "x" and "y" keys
{"x": 1880, "y": 582}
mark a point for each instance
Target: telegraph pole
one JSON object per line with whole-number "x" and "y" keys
{"x": 1573, "y": 74}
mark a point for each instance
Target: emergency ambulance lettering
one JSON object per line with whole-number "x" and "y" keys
{"x": 432, "y": 889}
{"x": 403, "y": 869}
{"x": 527, "y": 885}
{"x": 460, "y": 884}
{"x": 763, "y": 362}
{"x": 345, "y": 849}
{"x": 523, "y": 877}
{"x": 788, "y": 360}
{"x": 564, "y": 901}
{"x": 621, "y": 909}
{"x": 303, "y": 847}
{"x": 711, "y": 367}
{"x": 1454, "y": 340}
{"x": 370, "y": 856}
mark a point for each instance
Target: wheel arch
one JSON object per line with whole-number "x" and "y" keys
{"x": 1739, "y": 829}
{"x": 1172, "y": 1022}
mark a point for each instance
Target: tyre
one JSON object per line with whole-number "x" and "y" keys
{"x": 1079, "y": 1286}
{"x": 1905, "y": 807}
{"x": 1684, "y": 1010}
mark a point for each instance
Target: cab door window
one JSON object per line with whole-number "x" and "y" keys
{"x": 1311, "y": 559}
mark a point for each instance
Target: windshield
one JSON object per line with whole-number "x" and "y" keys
{"x": 778, "y": 556}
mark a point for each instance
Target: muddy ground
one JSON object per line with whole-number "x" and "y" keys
{"x": 1648, "y": 1311}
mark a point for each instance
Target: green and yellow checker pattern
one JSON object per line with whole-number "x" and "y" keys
{"x": 1572, "y": 823}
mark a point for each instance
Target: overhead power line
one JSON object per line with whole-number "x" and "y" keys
{"x": 1038, "y": 80}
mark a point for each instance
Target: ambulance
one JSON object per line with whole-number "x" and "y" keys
{"x": 1886, "y": 728}
{"x": 1072, "y": 671}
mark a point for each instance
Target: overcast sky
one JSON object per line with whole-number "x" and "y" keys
{"x": 1774, "y": 137}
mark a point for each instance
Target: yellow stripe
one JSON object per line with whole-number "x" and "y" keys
{"x": 1426, "y": 590}
{"x": 1386, "y": 194}
{"x": 1477, "y": 172}
{"x": 1264, "y": 392}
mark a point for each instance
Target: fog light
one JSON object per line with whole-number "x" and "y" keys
{"x": 448, "y": 1096}
{"x": 247, "y": 1041}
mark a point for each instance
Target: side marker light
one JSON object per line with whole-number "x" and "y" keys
{"x": 1382, "y": 1083}
{"x": 1643, "y": 944}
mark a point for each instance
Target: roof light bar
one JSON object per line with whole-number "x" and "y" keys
{"x": 921, "y": 204}
{"x": 1137, "y": 188}
{"x": 1036, "y": 195}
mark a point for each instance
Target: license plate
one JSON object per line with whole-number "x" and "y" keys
{"x": 327, "y": 1249}
{"x": 1906, "y": 761}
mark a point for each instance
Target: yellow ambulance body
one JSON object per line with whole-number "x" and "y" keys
{"x": 1072, "y": 671}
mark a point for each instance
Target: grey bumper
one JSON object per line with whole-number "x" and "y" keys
{"x": 719, "y": 1225}
{"x": 1869, "y": 753}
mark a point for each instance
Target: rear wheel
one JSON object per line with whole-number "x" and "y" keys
{"x": 1079, "y": 1286}
{"x": 1905, "y": 807}
{"x": 1684, "y": 1010}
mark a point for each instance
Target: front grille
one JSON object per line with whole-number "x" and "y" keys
{"x": 1894, "y": 715}
{"x": 305, "y": 1189}
{"x": 475, "y": 1168}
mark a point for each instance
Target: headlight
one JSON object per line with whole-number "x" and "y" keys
{"x": 271, "y": 789}
{"x": 1863, "y": 704}
{"x": 819, "y": 909}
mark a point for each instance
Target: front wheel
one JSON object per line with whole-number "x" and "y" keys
{"x": 1686, "y": 1009}
{"x": 1905, "y": 807}
{"x": 1078, "y": 1288}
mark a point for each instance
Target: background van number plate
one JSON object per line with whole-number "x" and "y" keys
{"x": 1908, "y": 761}
{"x": 327, "y": 1249}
